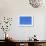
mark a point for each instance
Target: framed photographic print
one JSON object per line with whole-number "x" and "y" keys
{"x": 26, "y": 20}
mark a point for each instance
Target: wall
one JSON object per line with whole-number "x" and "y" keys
{"x": 16, "y": 8}
{"x": 45, "y": 29}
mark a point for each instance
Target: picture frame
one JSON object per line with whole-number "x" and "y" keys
{"x": 26, "y": 21}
